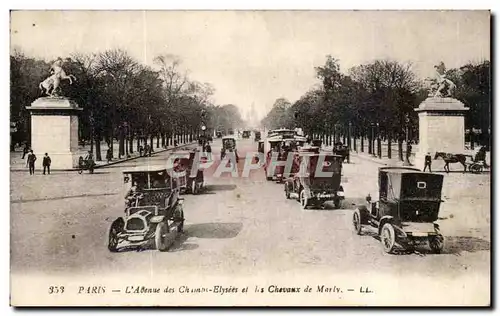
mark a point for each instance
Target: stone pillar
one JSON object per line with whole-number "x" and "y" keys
{"x": 441, "y": 128}
{"x": 54, "y": 130}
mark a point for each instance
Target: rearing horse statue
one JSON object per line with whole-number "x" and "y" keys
{"x": 443, "y": 82}
{"x": 51, "y": 85}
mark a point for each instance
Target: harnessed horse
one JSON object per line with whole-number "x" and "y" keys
{"x": 452, "y": 158}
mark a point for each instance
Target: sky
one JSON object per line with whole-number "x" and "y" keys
{"x": 255, "y": 57}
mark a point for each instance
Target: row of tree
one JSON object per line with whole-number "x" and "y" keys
{"x": 383, "y": 92}
{"x": 123, "y": 99}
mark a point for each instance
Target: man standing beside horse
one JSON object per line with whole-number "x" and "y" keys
{"x": 428, "y": 162}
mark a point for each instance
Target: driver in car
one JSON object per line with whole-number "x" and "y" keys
{"x": 133, "y": 195}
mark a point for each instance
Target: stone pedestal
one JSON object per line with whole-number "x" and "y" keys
{"x": 441, "y": 128}
{"x": 54, "y": 130}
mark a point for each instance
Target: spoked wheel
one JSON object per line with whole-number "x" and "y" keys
{"x": 356, "y": 221}
{"x": 161, "y": 236}
{"x": 475, "y": 168}
{"x": 304, "y": 200}
{"x": 113, "y": 239}
{"x": 388, "y": 237}
{"x": 436, "y": 243}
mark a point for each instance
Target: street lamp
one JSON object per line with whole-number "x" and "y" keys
{"x": 379, "y": 143}
{"x": 407, "y": 123}
{"x": 349, "y": 132}
{"x": 372, "y": 140}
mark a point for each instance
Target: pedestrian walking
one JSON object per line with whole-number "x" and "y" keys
{"x": 26, "y": 150}
{"x": 46, "y": 163}
{"x": 428, "y": 162}
{"x": 208, "y": 150}
{"x": 109, "y": 155}
{"x": 31, "y": 162}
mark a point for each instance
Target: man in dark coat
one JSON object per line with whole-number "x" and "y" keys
{"x": 31, "y": 162}
{"x": 46, "y": 163}
{"x": 428, "y": 162}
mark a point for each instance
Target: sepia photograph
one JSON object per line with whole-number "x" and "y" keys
{"x": 250, "y": 158}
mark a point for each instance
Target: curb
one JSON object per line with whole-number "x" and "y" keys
{"x": 114, "y": 162}
{"x": 372, "y": 159}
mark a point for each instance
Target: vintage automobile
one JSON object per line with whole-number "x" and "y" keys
{"x": 257, "y": 136}
{"x": 408, "y": 206}
{"x": 183, "y": 165}
{"x": 86, "y": 164}
{"x": 153, "y": 210}
{"x": 316, "y": 143}
{"x": 341, "y": 150}
{"x": 311, "y": 188}
{"x": 260, "y": 146}
{"x": 229, "y": 146}
{"x": 287, "y": 147}
{"x": 274, "y": 144}
{"x": 246, "y": 134}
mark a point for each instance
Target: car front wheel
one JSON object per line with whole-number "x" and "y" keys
{"x": 388, "y": 237}
{"x": 161, "y": 236}
{"x": 304, "y": 200}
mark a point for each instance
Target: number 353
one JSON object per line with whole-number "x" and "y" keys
{"x": 56, "y": 289}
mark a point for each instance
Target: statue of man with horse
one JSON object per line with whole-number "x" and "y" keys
{"x": 51, "y": 85}
{"x": 445, "y": 86}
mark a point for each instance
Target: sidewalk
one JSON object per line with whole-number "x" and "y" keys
{"x": 18, "y": 164}
{"x": 395, "y": 161}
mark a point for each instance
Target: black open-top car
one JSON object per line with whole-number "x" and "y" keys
{"x": 153, "y": 210}
{"x": 408, "y": 206}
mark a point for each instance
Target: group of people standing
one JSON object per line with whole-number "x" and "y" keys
{"x": 31, "y": 159}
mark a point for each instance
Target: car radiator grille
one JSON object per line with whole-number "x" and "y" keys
{"x": 135, "y": 224}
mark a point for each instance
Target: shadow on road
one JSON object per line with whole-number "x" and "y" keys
{"x": 213, "y": 230}
{"x": 452, "y": 245}
{"x": 220, "y": 187}
{"x": 455, "y": 245}
{"x": 62, "y": 197}
{"x": 181, "y": 244}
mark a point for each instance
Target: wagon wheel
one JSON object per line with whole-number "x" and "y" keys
{"x": 475, "y": 168}
{"x": 436, "y": 243}
{"x": 388, "y": 237}
{"x": 161, "y": 236}
{"x": 304, "y": 200}
{"x": 356, "y": 221}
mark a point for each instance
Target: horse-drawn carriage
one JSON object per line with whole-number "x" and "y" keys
{"x": 86, "y": 163}
{"x": 340, "y": 149}
{"x": 153, "y": 210}
{"x": 408, "y": 206}
{"x": 474, "y": 164}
